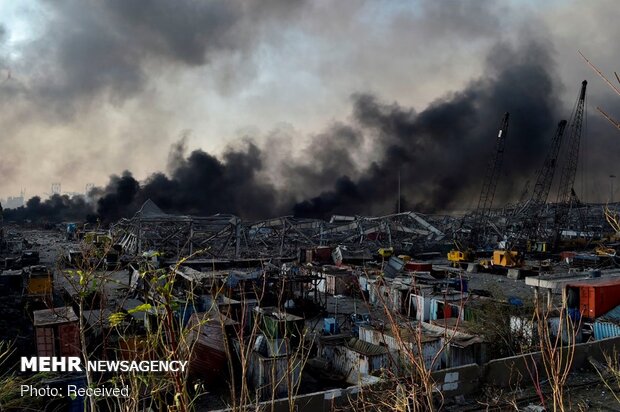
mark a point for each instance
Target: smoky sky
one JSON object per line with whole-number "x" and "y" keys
{"x": 293, "y": 107}
{"x": 439, "y": 152}
{"x": 94, "y": 49}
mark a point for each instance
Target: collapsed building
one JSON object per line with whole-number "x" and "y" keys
{"x": 227, "y": 237}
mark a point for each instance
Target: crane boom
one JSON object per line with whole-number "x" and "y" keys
{"x": 566, "y": 191}
{"x": 600, "y": 73}
{"x": 569, "y": 171}
{"x": 534, "y": 206}
{"x": 608, "y": 117}
{"x": 485, "y": 202}
{"x": 545, "y": 176}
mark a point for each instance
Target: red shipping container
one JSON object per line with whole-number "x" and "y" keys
{"x": 596, "y": 298}
{"x": 57, "y": 332}
{"x": 69, "y": 337}
{"x": 418, "y": 267}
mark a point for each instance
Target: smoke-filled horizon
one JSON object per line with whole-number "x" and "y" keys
{"x": 361, "y": 95}
{"x": 353, "y": 167}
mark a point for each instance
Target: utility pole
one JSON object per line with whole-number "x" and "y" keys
{"x": 611, "y": 188}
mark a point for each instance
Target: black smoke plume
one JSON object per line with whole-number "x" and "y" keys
{"x": 440, "y": 154}
{"x": 200, "y": 184}
{"x": 57, "y": 208}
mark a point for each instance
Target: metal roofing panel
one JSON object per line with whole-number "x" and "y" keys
{"x": 604, "y": 330}
{"x": 612, "y": 316}
{"x": 366, "y": 348}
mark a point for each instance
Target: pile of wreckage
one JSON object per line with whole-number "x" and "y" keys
{"x": 227, "y": 237}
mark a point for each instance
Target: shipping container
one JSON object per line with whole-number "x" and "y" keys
{"x": 39, "y": 281}
{"x": 57, "y": 332}
{"x": 593, "y": 298}
{"x": 418, "y": 267}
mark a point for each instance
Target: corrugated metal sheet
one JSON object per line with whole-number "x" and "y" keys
{"x": 394, "y": 267}
{"x": 604, "y": 330}
{"x": 431, "y": 345}
{"x": 429, "y": 351}
{"x": 55, "y": 316}
{"x": 366, "y": 348}
{"x": 209, "y": 334}
{"x": 356, "y": 359}
{"x": 272, "y": 376}
{"x": 612, "y": 316}
{"x": 458, "y": 356}
{"x": 276, "y": 324}
{"x": 339, "y": 283}
{"x": 391, "y": 295}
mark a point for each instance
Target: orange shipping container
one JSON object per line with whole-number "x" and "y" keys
{"x": 595, "y": 298}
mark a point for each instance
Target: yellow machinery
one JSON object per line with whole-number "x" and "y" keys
{"x": 456, "y": 256}
{"x": 605, "y": 251}
{"x": 460, "y": 254}
{"x": 538, "y": 247}
{"x": 386, "y": 252}
{"x": 507, "y": 258}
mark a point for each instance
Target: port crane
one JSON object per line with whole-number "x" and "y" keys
{"x": 530, "y": 212}
{"x": 489, "y": 185}
{"x": 567, "y": 197}
{"x": 477, "y": 234}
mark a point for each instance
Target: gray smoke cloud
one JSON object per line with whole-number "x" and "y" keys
{"x": 440, "y": 154}
{"x": 88, "y": 84}
{"x": 91, "y": 50}
{"x": 106, "y": 86}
